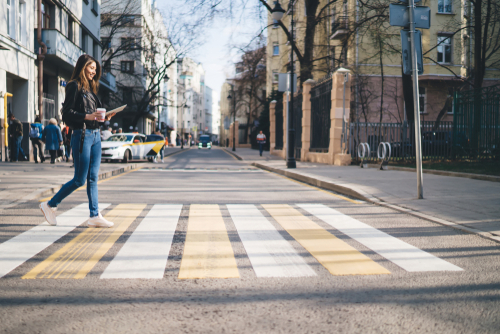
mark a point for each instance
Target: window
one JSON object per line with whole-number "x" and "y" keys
{"x": 127, "y": 66}
{"x": 9, "y": 12}
{"x": 85, "y": 38}
{"x": 128, "y": 19}
{"x": 45, "y": 16}
{"x": 276, "y": 76}
{"x": 128, "y": 42}
{"x": 276, "y": 49}
{"x": 71, "y": 34}
{"x": 128, "y": 93}
{"x": 444, "y": 50}
{"x": 95, "y": 7}
{"x": 95, "y": 50}
{"x": 444, "y": 6}
{"x": 421, "y": 99}
{"x": 21, "y": 19}
{"x": 106, "y": 42}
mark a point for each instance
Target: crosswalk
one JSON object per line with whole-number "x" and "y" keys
{"x": 266, "y": 233}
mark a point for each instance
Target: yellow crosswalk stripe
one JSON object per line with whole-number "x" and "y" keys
{"x": 207, "y": 251}
{"x": 77, "y": 258}
{"x": 335, "y": 255}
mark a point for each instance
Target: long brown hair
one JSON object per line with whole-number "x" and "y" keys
{"x": 79, "y": 73}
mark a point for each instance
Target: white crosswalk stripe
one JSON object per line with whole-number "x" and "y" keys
{"x": 270, "y": 254}
{"x": 24, "y": 246}
{"x": 145, "y": 253}
{"x": 408, "y": 257}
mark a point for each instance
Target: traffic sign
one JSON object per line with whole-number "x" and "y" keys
{"x": 399, "y": 16}
{"x": 406, "y": 48}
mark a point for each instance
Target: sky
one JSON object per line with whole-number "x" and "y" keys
{"x": 217, "y": 54}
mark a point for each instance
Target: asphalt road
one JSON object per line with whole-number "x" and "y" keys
{"x": 243, "y": 225}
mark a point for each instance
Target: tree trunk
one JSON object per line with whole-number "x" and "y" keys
{"x": 381, "y": 89}
{"x": 306, "y": 64}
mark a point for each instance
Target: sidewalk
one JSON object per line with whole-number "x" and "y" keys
{"x": 24, "y": 181}
{"x": 470, "y": 205}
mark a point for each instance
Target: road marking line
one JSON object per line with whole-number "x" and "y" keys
{"x": 408, "y": 257}
{"x": 207, "y": 251}
{"x": 145, "y": 253}
{"x": 335, "y": 255}
{"x": 355, "y": 201}
{"x": 98, "y": 182}
{"x": 270, "y": 254}
{"x": 80, "y": 255}
{"x": 24, "y": 246}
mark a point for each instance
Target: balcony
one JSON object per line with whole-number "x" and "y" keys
{"x": 60, "y": 49}
{"x": 108, "y": 81}
{"x": 340, "y": 27}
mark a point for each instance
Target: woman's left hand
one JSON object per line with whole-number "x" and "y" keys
{"x": 109, "y": 116}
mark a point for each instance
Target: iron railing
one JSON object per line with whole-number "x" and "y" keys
{"x": 436, "y": 140}
{"x": 321, "y": 104}
{"x": 279, "y": 125}
{"x": 476, "y": 119}
{"x": 297, "y": 123}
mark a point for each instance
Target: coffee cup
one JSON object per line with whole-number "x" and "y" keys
{"x": 102, "y": 114}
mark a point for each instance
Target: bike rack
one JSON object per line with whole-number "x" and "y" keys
{"x": 363, "y": 149}
{"x": 384, "y": 154}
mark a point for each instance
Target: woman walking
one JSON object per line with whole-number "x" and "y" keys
{"x": 80, "y": 113}
{"x": 52, "y": 138}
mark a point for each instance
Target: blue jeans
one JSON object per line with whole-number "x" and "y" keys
{"x": 87, "y": 166}
{"x": 261, "y": 148}
{"x": 17, "y": 148}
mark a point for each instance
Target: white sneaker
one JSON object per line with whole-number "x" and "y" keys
{"x": 49, "y": 213}
{"x": 162, "y": 161}
{"x": 99, "y": 221}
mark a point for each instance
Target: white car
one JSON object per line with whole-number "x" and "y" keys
{"x": 131, "y": 146}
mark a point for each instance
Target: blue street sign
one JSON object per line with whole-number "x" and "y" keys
{"x": 406, "y": 48}
{"x": 399, "y": 16}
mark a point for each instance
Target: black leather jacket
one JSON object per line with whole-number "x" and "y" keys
{"x": 77, "y": 104}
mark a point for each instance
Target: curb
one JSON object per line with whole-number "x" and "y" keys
{"x": 359, "y": 194}
{"x": 482, "y": 177}
{"x": 233, "y": 154}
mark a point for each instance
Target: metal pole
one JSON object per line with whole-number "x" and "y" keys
{"x": 234, "y": 120}
{"x": 290, "y": 162}
{"x": 416, "y": 102}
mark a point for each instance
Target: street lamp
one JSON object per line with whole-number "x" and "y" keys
{"x": 229, "y": 97}
{"x": 346, "y": 72}
{"x": 277, "y": 14}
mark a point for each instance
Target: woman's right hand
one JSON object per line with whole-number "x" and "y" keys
{"x": 92, "y": 117}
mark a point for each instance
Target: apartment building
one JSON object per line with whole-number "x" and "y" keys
{"x": 138, "y": 51}
{"x": 373, "y": 54}
{"x": 191, "y": 98}
{"x": 68, "y": 29}
{"x": 208, "y": 117}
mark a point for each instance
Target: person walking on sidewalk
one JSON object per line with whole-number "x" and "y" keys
{"x": 35, "y": 134}
{"x": 261, "y": 140}
{"x": 80, "y": 113}
{"x": 52, "y": 138}
{"x": 16, "y": 135}
{"x": 67, "y": 132}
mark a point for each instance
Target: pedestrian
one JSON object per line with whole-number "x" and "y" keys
{"x": 162, "y": 154}
{"x": 80, "y": 113}
{"x": 178, "y": 140}
{"x": 120, "y": 130}
{"x": 261, "y": 139}
{"x": 113, "y": 131}
{"x": 106, "y": 133}
{"x": 52, "y": 137}
{"x": 16, "y": 136}
{"x": 67, "y": 132}
{"x": 36, "y": 130}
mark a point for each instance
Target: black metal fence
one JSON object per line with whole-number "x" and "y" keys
{"x": 279, "y": 125}
{"x": 476, "y": 116}
{"x": 437, "y": 140}
{"x": 321, "y": 104}
{"x": 297, "y": 123}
